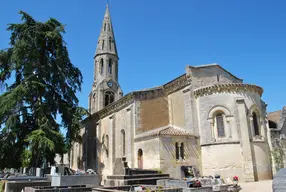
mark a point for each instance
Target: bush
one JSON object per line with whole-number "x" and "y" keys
{"x": 2, "y": 186}
{"x": 160, "y": 171}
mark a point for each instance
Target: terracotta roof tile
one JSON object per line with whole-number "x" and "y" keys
{"x": 171, "y": 131}
{"x": 274, "y": 116}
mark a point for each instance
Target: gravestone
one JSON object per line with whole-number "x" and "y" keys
{"x": 53, "y": 170}
{"x": 12, "y": 171}
{"x": 279, "y": 181}
{"x": 25, "y": 170}
{"x": 38, "y": 172}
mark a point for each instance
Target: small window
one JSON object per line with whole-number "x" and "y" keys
{"x": 101, "y": 66}
{"x": 104, "y": 26}
{"x": 217, "y": 77}
{"x": 110, "y": 66}
{"x": 255, "y": 124}
{"x": 220, "y": 125}
{"x": 182, "y": 151}
{"x": 177, "y": 151}
{"x": 109, "y": 98}
{"x": 102, "y": 46}
{"x": 108, "y": 26}
{"x": 110, "y": 43}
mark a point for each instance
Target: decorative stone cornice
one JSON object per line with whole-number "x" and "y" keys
{"x": 116, "y": 106}
{"x": 227, "y": 88}
{"x": 177, "y": 84}
{"x": 220, "y": 143}
{"x": 160, "y": 91}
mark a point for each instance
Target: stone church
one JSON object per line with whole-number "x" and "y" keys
{"x": 207, "y": 117}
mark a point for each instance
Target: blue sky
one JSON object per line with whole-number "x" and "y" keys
{"x": 156, "y": 39}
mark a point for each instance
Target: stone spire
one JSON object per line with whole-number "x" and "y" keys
{"x": 105, "y": 87}
{"x": 106, "y": 41}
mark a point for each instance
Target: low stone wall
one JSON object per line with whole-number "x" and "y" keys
{"x": 17, "y": 186}
{"x": 207, "y": 186}
{"x": 70, "y": 180}
{"x": 58, "y": 189}
{"x": 151, "y": 188}
{"x": 201, "y": 189}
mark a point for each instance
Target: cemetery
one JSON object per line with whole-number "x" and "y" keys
{"x": 206, "y": 130}
{"x": 61, "y": 179}
{"x": 124, "y": 179}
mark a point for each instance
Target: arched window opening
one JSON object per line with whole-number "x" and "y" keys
{"x": 102, "y": 46}
{"x": 177, "y": 151}
{"x": 182, "y": 151}
{"x": 110, "y": 66}
{"x": 101, "y": 66}
{"x": 220, "y": 125}
{"x": 104, "y": 26}
{"x": 110, "y": 43}
{"x": 255, "y": 124}
{"x": 108, "y": 26}
{"x": 123, "y": 142}
{"x": 217, "y": 78}
{"x": 140, "y": 158}
{"x": 107, "y": 145}
{"x": 109, "y": 98}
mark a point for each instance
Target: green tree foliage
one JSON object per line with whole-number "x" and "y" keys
{"x": 26, "y": 158}
{"x": 44, "y": 85}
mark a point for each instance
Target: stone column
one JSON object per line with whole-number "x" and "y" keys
{"x": 113, "y": 141}
{"x": 245, "y": 141}
{"x": 188, "y": 111}
{"x": 129, "y": 140}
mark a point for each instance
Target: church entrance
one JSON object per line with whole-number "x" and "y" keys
{"x": 140, "y": 159}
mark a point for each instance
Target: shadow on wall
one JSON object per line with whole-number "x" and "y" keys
{"x": 190, "y": 150}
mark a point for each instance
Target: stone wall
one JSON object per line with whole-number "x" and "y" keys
{"x": 16, "y": 186}
{"x": 223, "y": 159}
{"x": 151, "y": 155}
{"x": 168, "y": 162}
{"x": 262, "y": 164}
{"x": 240, "y": 146}
{"x": 76, "y": 154}
{"x": 116, "y": 132}
{"x": 177, "y": 108}
{"x": 153, "y": 113}
{"x": 210, "y": 75}
{"x": 72, "y": 180}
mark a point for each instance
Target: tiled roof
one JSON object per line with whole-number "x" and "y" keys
{"x": 171, "y": 131}
{"x": 274, "y": 116}
{"x": 167, "y": 131}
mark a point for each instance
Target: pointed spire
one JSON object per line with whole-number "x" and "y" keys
{"x": 106, "y": 41}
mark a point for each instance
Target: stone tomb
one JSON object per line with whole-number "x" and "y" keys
{"x": 137, "y": 188}
{"x": 76, "y": 188}
{"x": 123, "y": 175}
{"x": 208, "y": 185}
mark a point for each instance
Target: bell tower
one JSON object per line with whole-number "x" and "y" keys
{"x": 105, "y": 88}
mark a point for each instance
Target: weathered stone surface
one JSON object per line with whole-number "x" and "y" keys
{"x": 279, "y": 181}
{"x": 119, "y": 167}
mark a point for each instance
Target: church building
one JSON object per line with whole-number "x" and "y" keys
{"x": 207, "y": 118}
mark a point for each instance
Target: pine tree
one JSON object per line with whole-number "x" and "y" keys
{"x": 44, "y": 85}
